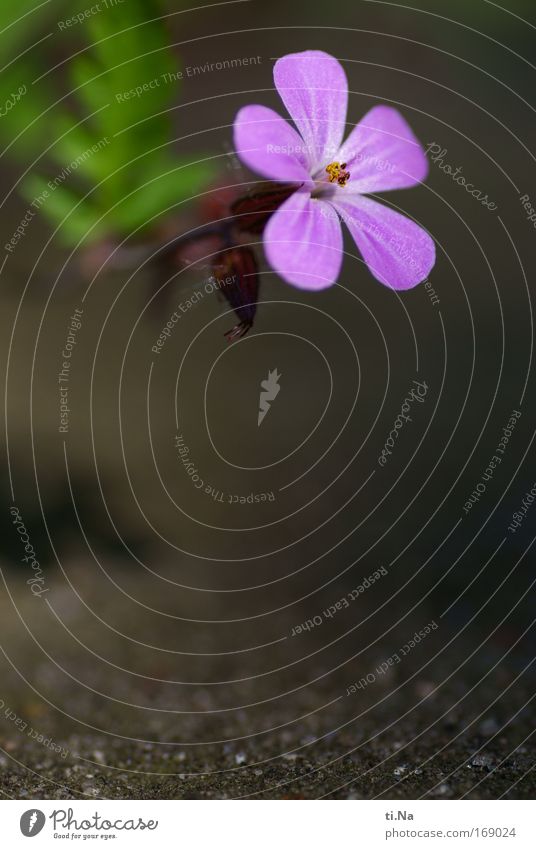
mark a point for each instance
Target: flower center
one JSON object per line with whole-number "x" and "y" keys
{"x": 337, "y": 174}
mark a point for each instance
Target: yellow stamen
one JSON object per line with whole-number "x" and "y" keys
{"x": 337, "y": 174}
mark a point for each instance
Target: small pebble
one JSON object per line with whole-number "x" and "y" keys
{"x": 399, "y": 770}
{"x": 489, "y": 727}
{"x": 482, "y": 760}
{"x": 89, "y": 789}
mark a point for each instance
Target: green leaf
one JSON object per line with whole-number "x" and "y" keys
{"x": 167, "y": 189}
{"x": 114, "y": 134}
{"x": 62, "y": 207}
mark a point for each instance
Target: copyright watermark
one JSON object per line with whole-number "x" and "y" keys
{"x": 199, "y": 482}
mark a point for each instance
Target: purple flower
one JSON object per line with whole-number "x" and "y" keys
{"x": 303, "y": 238}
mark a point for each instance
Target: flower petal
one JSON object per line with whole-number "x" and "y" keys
{"x": 313, "y": 87}
{"x": 398, "y": 252}
{"x": 303, "y": 242}
{"x": 268, "y": 144}
{"x": 382, "y": 153}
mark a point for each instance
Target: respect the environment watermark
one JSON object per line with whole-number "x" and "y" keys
{"x": 431, "y": 292}
{"x": 96, "y": 9}
{"x": 189, "y": 71}
{"x": 40, "y": 200}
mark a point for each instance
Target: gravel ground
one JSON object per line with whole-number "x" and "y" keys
{"x": 416, "y": 732}
{"x": 433, "y": 767}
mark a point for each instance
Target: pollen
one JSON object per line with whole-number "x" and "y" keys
{"x": 337, "y": 174}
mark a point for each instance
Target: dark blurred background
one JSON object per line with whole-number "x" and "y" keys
{"x": 169, "y": 612}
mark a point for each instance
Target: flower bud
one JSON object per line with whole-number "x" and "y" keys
{"x": 237, "y": 271}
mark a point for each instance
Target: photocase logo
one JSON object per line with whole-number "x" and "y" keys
{"x": 31, "y": 822}
{"x": 271, "y": 389}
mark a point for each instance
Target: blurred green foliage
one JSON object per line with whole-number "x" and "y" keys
{"x": 59, "y": 87}
{"x": 90, "y": 139}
